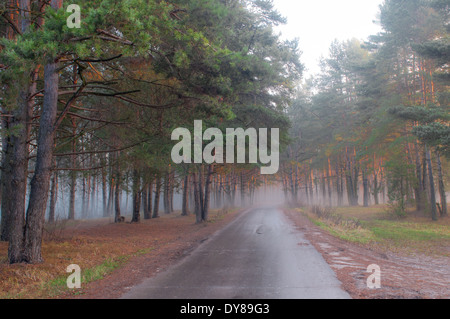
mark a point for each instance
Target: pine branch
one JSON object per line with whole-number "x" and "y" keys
{"x": 11, "y": 23}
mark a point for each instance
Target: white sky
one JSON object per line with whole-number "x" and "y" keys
{"x": 318, "y": 22}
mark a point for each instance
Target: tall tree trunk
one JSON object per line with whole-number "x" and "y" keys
{"x": 219, "y": 201}
{"x": 144, "y": 199}
{"x": 339, "y": 190}
{"x": 53, "y": 198}
{"x": 200, "y": 188}
{"x": 136, "y": 197}
{"x": 197, "y": 205}
{"x": 73, "y": 174}
{"x": 171, "y": 192}
{"x": 228, "y": 192}
{"x": 308, "y": 203}
{"x": 296, "y": 185}
{"x": 73, "y": 187}
{"x": 117, "y": 200}
{"x": 185, "y": 203}
{"x": 316, "y": 189}
{"x": 311, "y": 188}
{"x": 157, "y": 196}
{"x": 424, "y": 172}
{"x": 83, "y": 199}
{"x": 366, "y": 188}
{"x": 14, "y": 177}
{"x": 441, "y": 186}
{"x": 285, "y": 188}
{"x": 432, "y": 190}
{"x": 15, "y": 147}
{"x": 93, "y": 201}
{"x": 233, "y": 189}
{"x": 149, "y": 200}
{"x": 166, "y": 194}
{"x": 88, "y": 196}
{"x": 111, "y": 190}
{"x": 15, "y": 174}
{"x": 355, "y": 185}
{"x": 205, "y": 210}
{"x": 104, "y": 194}
{"x": 243, "y": 190}
{"x": 349, "y": 183}
{"x": 5, "y": 180}
{"x": 324, "y": 189}
{"x": 117, "y": 214}
{"x": 16, "y": 169}
{"x": 330, "y": 199}
{"x": 376, "y": 188}
{"x": 41, "y": 180}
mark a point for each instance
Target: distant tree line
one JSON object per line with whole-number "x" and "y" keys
{"x": 373, "y": 127}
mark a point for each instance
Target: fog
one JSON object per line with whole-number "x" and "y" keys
{"x": 264, "y": 196}
{"x": 271, "y": 195}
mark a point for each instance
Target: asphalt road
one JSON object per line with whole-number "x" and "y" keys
{"x": 260, "y": 255}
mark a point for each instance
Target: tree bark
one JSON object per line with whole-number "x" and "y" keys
{"x": 375, "y": 188}
{"x": 111, "y": 191}
{"x": 104, "y": 194}
{"x": 117, "y": 192}
{"x": 5, "y": 181}
{"x": 136, "y": 197}
{"x": 355, "y": 184}
{"x": 185, "y": 203}
{"x": 200, "y": 189}
{"x": 149, "y": 200}
{"x": 197, "y": 205}
{"x": 144, "y": 199}
{"x": 15, "y": 179}
{"x": 41, "y": 180}
{"x": 157, "y": 196}
{"x": 53, "y": 198}
{"x": 15, "y": 147}
{"x": 311, "y": 188}
{"x": 324, "y": 189}
{"x": 330, "y": 197}
{"x": 243, "y": 190}
{"x": 166, "y": 194}
{"x": 366, "y": 188}
{"x": 432, "y": 190}
{"x": 205, "y": 210}
{"x": 441, "y": 186}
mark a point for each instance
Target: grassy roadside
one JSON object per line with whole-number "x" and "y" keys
{"x": 99, "y": 247}
{"x": 373, "y": 226}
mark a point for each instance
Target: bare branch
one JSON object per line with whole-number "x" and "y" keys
{"x": 97, "y": 120}
{"x": 11, "y": 23}
{"x": 100, "y": 60}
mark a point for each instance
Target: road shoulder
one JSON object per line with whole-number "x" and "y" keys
{"x": 402, "y": 277}
{"x": 146, "y": 266}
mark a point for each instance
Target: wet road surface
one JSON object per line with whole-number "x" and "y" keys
{"x": 260, "y": 255}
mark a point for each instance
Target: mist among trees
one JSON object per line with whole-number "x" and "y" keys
{"x": 87, "y": 114}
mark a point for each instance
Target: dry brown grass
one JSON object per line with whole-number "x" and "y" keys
{"x": 414, "y": 233}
